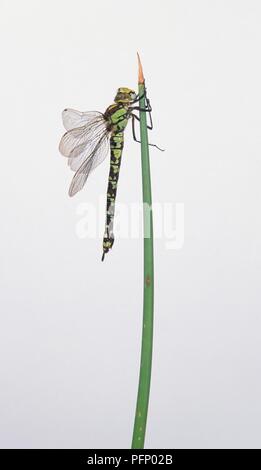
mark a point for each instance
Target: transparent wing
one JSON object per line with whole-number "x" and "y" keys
{"x": 86, "y": 148}
{"x": 89, "y": 161}
{"x": 72, "y": 118}
{"x": 74, "y": 141}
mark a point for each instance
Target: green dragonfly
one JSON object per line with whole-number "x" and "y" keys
{"x": 88, "y": 139}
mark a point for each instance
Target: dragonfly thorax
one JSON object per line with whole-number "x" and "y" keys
{"x": 117, "y": 116}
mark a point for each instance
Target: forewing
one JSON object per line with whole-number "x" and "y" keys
{"x": 73, "y": 142}
{"x": 73, "y": 118}
{"x": 83, "y": 151}
{"x": 89, "y": 162}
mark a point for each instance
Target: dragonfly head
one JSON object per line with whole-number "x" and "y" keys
{"x": 125, "y": 95}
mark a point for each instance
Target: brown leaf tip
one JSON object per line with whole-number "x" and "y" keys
{"x": 141, "y": 76}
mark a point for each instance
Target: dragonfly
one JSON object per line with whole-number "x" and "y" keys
{"x": 88, "y": 138}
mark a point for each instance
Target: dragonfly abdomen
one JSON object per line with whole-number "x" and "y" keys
{"x": 116, "y": 146}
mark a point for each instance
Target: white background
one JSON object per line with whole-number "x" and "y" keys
{"x": 70, "y": 325}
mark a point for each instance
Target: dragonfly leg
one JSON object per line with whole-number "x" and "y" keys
{"x": 133, "y": 127}
{"x": 134, "y": 133}
{"x": 138, "y": 98}
{"x": 138, "y": 108}
{"x": 148, "y": 109}
{"x": 149, "y": 126}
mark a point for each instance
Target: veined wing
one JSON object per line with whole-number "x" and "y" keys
{"x": 85, "y": 146}
{"x": 74, "y": 141}
{"x": 88, "y": 162}
{"x": 73, "y": 118}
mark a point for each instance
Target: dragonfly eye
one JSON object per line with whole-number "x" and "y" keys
{"x": 126, "y": 96}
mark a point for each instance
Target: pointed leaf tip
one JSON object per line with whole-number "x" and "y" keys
{"x": 141, "y": 76}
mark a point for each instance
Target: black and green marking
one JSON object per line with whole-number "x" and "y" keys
{"x": 87, "y": 141}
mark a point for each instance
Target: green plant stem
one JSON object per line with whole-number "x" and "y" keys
{"x": 147, "y": 326}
